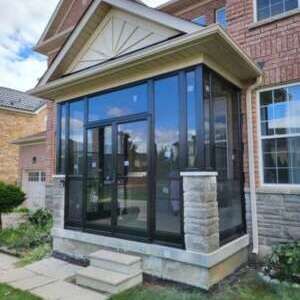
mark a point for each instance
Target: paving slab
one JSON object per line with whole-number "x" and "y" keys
{"x": 62, "y": 290}
{"x": 54, "y": 268}
{"x": 15, "y": 275}
{"x": 7, "y": 262}
{"x": 32, "y": 282}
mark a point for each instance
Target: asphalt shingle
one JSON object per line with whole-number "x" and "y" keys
{"x": 14, "y": 99}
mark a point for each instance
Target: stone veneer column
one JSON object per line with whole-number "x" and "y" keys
{"x": 201, "y": 213}
{"x": 55, "y": 200}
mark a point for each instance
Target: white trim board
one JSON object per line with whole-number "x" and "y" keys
{"x": 148, "y": 13}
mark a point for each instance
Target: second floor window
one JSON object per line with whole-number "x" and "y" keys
{"x": 221, "y": 18}
{"x": 269, "y": 8}
{"x": 200, "y": 21}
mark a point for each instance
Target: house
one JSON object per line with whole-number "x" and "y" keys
{"x": 22, "y": 115}
{"x": 177, "y": 137}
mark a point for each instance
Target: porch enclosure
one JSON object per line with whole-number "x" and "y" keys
{"x": 122, "y": 152}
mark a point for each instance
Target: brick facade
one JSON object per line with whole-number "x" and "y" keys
{"x": 15, "y": 125}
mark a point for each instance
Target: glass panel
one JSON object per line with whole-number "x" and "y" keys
{"x": 63, "y": 115}
{"x": 228, "y": 156}
{"x": 280, "y": 117}
{"x": 76, "y": 138}
{"x": 100, "y": 176}
{"x": 75, "y": 200}
{"x": 221, "y": 17}
{"x": 191, "y": 119}
{"x": 168, "y": 194}
{"x": 119, "y": 103}
{"x": 269, "y": 8}
{"x": 200, "y": 21}
{"x": 132, "y": 179}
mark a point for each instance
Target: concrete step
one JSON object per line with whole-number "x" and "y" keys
{"x": 107, "y": 281}
{"x": 117, "y": 262}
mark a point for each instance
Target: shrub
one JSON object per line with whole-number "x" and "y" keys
{"x": 284, "y": 262}
{"x": 11, "y": 197}
{"x": 41, "y": 217}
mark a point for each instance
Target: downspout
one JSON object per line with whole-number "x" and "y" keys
{"x": 252, "y": 184}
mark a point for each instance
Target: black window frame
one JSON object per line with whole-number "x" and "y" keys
{"x": 201, "y": 165}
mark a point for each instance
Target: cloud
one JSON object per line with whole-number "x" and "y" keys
{"x": 22, "y": 23}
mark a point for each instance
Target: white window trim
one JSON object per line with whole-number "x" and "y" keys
{"x": 259, "y": 136}
{"x": 255, "y": 11}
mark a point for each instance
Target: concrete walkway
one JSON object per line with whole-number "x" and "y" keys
{"x": 48, "y": 279}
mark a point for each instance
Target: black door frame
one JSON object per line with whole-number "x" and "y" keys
{"x": 114, "y": 229}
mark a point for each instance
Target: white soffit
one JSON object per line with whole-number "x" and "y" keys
{"x": 150, "y": 26}
{"x": 119, "y": 33}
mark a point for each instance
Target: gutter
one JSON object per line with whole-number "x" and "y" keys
{"x": 252, "y": 183}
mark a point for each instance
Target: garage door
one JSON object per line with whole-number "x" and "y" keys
{"x": 34, "y": 185}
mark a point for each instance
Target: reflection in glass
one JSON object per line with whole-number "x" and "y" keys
{"x": 227, "y": 151}
{"x": 63, "y": 115}
{"x": 167, "y": 150}
{"x": 76, "y": 138}
{"x": 75, "y": 200}
{"x": 100, "y": 179}
{"x": 118, "y": 103}
{"x": 280, "y": 127}
{"x": 191, "y": 118}
{"x": 132, "y": 179}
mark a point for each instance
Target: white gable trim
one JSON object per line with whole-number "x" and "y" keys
{"x": 119, "y": 33}
{"x": 132, "y": 7}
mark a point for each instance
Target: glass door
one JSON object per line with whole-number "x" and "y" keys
{"x": 117, "y": 178}
{"x": 100, "y": 178}
{"x": 132, "y": 194}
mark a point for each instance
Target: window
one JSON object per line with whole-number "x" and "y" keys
{"x": 33, "y": 176}
{"x": 200, "y": 21}
{"x": 221, "y": 18}
{"x": 280, "y": 134}
{"x": 270, "y": 8}
{"x": 43, "y": 176}
{"x": 119, "y": 103}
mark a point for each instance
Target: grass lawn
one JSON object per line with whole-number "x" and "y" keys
{"x": 9, "y": 293}
{"x": 244, "y": 287}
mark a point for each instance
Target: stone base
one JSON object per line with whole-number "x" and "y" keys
{"x": 13, "y": 220}
{"x": 196, "y": 269}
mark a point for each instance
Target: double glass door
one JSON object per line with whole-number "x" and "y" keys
{"x": 117, "y": 167}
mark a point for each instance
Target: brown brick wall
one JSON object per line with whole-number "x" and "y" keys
{"x": 50, "y": 141}
{"x": 276, "y": 46}
{"x": 206, "y": 9}
{"x": 14, "y": 126}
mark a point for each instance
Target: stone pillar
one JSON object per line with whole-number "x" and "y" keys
{"x": 55, "y": 200}
{"x": 201, "y": 213}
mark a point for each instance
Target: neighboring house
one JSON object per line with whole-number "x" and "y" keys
{"x": 177, "y": 139}
{"x": 20, "y": 115}
{"x": 32, "y": 168}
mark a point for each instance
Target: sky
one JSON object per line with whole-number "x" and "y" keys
{"x": 22, "y": 23}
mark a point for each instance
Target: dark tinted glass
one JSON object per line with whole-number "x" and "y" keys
{"x": 62, "y": 154}
{"x": 167, "y": 150}
{"x": 76, "y": 138}
{"x": 132, "y": 179}
{"x": 191, "y": 118}
{"x": 119, "y": 103}
{"x": 75, "y": 201}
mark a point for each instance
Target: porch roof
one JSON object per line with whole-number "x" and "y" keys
{"x": 210, "y": 45}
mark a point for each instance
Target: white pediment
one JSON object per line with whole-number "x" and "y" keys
{"x": 119, "y": 33}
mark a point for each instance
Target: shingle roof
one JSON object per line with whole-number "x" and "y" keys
{"x": 14, "y": 99}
